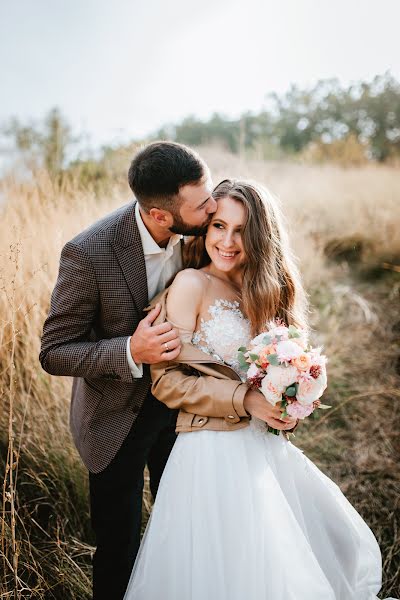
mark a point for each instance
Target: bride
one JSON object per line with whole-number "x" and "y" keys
{"x": 242, "y": 514}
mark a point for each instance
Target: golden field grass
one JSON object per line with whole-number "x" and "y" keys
{"x": 344, "y": 228}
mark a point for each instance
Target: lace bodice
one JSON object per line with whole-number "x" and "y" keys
{"x": 222, "y": 334}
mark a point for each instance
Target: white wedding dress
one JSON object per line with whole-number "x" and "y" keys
{"x": 244, "y": 515}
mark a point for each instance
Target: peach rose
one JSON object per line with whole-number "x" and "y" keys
{"x": 302, "y": 362}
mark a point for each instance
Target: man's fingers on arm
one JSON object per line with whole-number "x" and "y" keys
{"x": 161, "y": 328}
{"x": 153, "y": 314}
{"x": 168, "y": 337}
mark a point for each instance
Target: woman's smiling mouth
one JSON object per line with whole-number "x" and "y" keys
{"x": 227, "y": 255}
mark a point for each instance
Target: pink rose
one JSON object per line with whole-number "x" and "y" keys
{"x": 276, "y": 381}
{"x": 297, "y": 410}
{"x": 271, "y": 391}
{"x": 310, "y": 389}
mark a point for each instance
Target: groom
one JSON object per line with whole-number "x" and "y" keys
{"x": 96, "y": 333}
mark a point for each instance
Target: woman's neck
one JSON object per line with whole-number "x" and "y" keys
{"x": 233, "y": 279}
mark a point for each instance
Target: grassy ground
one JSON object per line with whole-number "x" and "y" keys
{"x": 343, "y": 225}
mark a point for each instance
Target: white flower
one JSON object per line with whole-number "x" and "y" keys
{"x": 258, "y": 339}
{"x": 253, "y": 371}
{"x": 282, "y": 331}
{"x": 274, "y": 330}
{"x": 317, "y": 358}
{"x": 283, "y": 376}
{"x": 257, "y": 349}
{"x": 311, "y": 389}
{"x": 276, "y": 381}
{"x": 287, "y": 350}
{"x": 301, "y": 341}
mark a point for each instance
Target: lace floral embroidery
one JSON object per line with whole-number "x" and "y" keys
{"x": 222, "y": 334}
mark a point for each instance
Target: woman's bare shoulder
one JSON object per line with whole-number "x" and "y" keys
{"x": 192, "y": 279}
{"x": 185, "y": 297}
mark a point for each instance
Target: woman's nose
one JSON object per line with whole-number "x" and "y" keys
{"x": 228, "y": 241}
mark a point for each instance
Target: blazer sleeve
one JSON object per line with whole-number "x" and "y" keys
{"x": 66, "y": 349}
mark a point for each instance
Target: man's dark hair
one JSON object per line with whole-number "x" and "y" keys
{"x": 158, "y": 172}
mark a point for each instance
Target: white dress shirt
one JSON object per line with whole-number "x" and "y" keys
{"x": 161, "y": 265}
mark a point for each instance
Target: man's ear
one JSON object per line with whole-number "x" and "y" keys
{"x": 163, "y": 218}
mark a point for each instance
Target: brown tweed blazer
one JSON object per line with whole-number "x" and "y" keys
{"x": 97, "y": 303}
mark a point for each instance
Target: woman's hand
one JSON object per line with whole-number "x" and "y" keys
{"x": 258, "y": 406}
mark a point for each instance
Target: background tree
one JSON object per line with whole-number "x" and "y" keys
{"x": 41, "y": 144}
{"x": 365, "y": 113}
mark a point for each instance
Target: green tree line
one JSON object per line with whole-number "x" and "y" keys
{"x": 326, "y": 113}
{"x": 360, "y": 120}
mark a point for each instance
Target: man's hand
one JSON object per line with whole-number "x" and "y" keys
{"x": 255, "y": 404}
{"x": 154, "y": 344}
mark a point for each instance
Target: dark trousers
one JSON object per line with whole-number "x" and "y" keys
{"x": 116, "y": 497}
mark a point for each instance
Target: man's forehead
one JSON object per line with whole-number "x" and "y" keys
{"x": 208, "y": 184}
{"x": 196, "y": 191}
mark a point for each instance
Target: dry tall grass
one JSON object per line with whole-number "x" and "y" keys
{"x": 343, "y": 225}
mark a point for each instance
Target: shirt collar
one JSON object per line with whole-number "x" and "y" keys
{"x": 150, "y": 246}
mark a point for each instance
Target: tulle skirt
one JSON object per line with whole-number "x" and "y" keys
{"x": 245, "y": 515}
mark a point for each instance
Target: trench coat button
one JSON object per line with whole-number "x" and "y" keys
{"x": 201, "y": 421}
{"x": 231, "y": 417}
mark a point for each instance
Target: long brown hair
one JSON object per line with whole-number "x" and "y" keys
{"x": 272, "y": 285}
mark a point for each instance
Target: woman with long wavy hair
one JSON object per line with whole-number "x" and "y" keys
{"x": 241, "y": 513}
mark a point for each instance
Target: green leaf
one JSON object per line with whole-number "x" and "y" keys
{"x": 293, "y": 332}
{"x": 253, "y": 356}
{"x": 324, "y": 406}
{"x": 284, "y": 414}
{"x": 267, "y": 339}
{"x": 284, "y": 403}
{"x": 272, "y": 430}
{"x": 273, "y": 360}
{"x": 290, "y": 391}
{"x": 242, "y": 349}
{"x": 242, "y": 361}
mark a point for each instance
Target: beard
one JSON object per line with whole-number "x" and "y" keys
{"x": 183, "y": 228}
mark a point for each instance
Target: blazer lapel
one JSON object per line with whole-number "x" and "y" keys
{"x": 128, "y": 249}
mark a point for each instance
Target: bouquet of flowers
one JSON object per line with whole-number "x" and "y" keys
{"x": 281, "y": 364}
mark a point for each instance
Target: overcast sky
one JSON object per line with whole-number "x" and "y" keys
{"x": 121, "y": 68}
